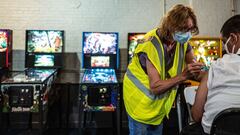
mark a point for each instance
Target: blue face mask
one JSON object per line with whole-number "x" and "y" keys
{"x": 182, "y": 37}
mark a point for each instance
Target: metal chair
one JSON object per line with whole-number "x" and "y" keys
{"x": 227, "y": 122}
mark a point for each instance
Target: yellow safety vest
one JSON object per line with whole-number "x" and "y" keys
{"x": 140, "y": 103}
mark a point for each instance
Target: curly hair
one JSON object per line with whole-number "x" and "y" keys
{"x": 175, "y": 20}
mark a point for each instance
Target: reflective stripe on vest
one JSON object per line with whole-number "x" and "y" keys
{"x": 180, "y": 59}
{"x": 160, "y": 53}
{"x": 141, "y": 87}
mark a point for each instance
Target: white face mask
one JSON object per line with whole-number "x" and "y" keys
{"x": 226, "y": 48}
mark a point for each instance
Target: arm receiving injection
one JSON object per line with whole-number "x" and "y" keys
{"x": 190, "y": 58}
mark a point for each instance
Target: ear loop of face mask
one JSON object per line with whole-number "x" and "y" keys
{"x": 225, "y": 45}
{"x": 233, "y": 48}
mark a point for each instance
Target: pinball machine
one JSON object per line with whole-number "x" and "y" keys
{"x": 5, "y": 59}
{"x": 5, "y": 49}
{"x": 99, "y": 90}
{"x": 26, "y": 93}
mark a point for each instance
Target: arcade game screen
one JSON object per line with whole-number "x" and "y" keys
{"x": 132, "y": 43}
{"x": 100, "y": 42}
{"x": 3, "y": 40}
{"x": 206, "y": 50}
{"x": 100, "y": 61}
{"x": 44, "y": 60}
{"x": 47, "y": 41}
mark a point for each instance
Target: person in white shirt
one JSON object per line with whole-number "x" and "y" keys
{"x": 220, "y": 88}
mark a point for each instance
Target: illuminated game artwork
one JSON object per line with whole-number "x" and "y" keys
{"x": 132, "y": 43}
{"x": 206, "y": 50}
{"x": 100, "y": 76}
{"x": 47, "y": 41}
{"x": 3, "y": 40}
{"x": 100, "y": 43}
{"x": 100, "y": 61}
{"x": 44, "y": 60}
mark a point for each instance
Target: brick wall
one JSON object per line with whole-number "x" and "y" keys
{"x": 76, "y": 16}
{"x": 237, "y": 6}
{"x": 123, "y": 16}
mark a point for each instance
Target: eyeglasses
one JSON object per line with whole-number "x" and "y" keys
{"x": 188, "y": 29}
